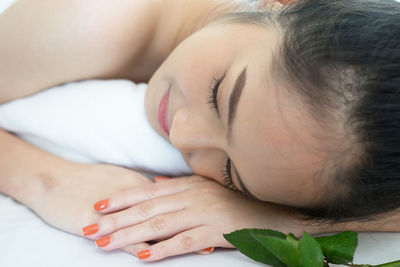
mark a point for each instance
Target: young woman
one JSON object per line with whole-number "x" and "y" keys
{"x": 293, "y": 107}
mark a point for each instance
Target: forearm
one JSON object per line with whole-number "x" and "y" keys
{"x": 26, "y": 172}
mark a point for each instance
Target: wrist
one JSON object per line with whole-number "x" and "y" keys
{"x": 26, "y": 172}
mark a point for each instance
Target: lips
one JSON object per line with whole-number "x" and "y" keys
{"x": 163, "y": 112}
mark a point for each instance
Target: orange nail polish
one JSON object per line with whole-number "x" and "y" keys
{"x": 160, "y": 178}
{"x": 102, "y": 242}
{"x": 209, "y": 250}
{"x": 144, "y": 254}
{"x": 90, "y": 229}
{"x": 101, "y": 205}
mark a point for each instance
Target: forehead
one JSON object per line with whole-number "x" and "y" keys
{"x": 277, "y": 148}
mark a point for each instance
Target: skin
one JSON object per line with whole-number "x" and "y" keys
{"x": 189, "y": 213}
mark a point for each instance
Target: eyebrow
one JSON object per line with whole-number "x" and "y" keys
{"x": 234, "y": 100}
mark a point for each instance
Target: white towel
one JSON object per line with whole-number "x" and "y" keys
{"x": 94, "y": 121}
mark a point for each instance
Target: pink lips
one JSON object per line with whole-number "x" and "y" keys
{"x": 163, "y": 112}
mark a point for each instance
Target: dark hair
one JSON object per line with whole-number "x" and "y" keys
{"x": 343, "y": 58}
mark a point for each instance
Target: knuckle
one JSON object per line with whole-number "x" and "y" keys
{"x": 186, "y": 242}
{"x": 109, "y": 221}
{"x": 151, "y": 190}
{"x": 162, "y": 250}
{"x": 145, "y": 208}
{"x": 157, "y": 224}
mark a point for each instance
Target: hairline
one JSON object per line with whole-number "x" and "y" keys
{"x": 328, "y": 175}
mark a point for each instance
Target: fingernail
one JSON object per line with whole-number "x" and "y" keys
{"x": 209, "y": 250}
{"x": 101, "y": 205}
{"x": 160, "y": 178}
{"x": 90, "y": 229}
{"x": 102, "y": 242}
{"x": 205, "y": 251}
{"x": 144, "y": 254}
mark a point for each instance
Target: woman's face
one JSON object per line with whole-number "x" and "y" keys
{"x": 265, "y": 132}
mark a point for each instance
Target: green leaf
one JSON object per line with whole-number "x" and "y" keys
{"x": 249, "y": 246}
{"x": 292, "y": 239}
{"x": 283, "y": 249}
{"x": 268, "y": 232}
{"x": 340, "y": 248}
{"x": 311, "y": 252}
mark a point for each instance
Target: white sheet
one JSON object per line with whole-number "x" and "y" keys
{"x": 25, "y": 240}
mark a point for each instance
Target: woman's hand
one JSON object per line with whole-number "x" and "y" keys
{"x": 67, "y": 198}
{"x": 60, "y": 191}
{"x": 188, "y": 214}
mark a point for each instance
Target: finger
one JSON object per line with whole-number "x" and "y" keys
{"x": 205, "y": 251}
{"x": 136, "y": 214}
{"x": 156, "y": 228}
{"x": 128, "y": 198}
{"x": 159, "y": 179}
{"x": 189, "y": 241}
{"x": 134, "y": 249}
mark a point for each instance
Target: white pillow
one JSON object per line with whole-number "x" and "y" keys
{"x": 94, "y": 121}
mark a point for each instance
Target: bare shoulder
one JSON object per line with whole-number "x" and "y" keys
{"x": 47, "y": 42}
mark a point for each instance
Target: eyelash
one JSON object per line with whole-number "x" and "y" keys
{"x": 227, "y": 176}
{"x": 212, "y": 100}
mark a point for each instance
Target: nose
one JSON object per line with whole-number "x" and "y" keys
{"x": 192, "y": 130}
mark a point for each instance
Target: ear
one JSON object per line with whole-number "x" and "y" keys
{"x": 263, "y": 4}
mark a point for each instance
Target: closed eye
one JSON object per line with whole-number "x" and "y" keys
{"x": 227, "y": 176}
{"x": 214, "y": 87}
{"x": 213, "y": 101}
